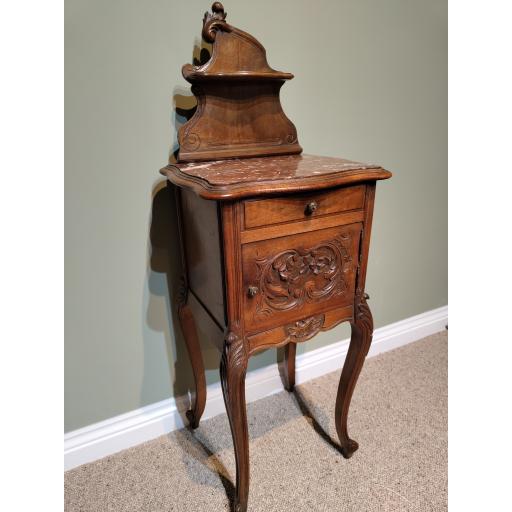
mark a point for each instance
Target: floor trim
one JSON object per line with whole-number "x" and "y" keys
{"x": 126, "y": 430}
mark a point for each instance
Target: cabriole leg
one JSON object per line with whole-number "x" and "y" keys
{"x": 289, "y": 365}
{"x": 362, "y": 331}
{"x": 233, "y": 368}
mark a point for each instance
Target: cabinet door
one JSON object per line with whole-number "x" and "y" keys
{"x": 296, "y": 276}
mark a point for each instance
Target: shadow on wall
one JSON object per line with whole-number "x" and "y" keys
{"x": 185, "y": 103}
{"x": 164, "y": 272}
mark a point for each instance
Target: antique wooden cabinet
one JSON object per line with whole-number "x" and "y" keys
{"x": 275, "y": 243}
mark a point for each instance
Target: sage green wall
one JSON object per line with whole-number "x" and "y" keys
{"x": 370, "y": 84}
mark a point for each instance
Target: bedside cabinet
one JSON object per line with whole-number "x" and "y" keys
{"x": 275, "y": 250}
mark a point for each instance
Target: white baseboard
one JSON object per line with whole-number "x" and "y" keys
{"x": 115, "y": 434}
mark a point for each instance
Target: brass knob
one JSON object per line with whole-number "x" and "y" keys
{"x": 252, "y": 291}
{"x": 311, "y": 207}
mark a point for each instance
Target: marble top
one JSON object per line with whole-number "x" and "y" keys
{"x": 225, "y": 178}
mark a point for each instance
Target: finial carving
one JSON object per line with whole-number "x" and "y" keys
{"x": 214, "y": 21}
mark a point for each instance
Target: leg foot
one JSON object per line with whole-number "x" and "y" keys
{"x": 194, "y": 351}
{"x": 362, "y": 330}
{"x": 289, "y": 366}
{"x": 191, "y": 417}
{"x": 349, "y": 448}
{"x": 233, "y": 368}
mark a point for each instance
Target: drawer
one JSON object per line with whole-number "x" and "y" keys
{"x": 265, "y": 212}
{"x": 297, "y": 276}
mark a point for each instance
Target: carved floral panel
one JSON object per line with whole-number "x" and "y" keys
{"x": 293, "y": 277}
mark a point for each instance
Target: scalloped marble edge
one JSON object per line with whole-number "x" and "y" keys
{"x": 256, "y": 188}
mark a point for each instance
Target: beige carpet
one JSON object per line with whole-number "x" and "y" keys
{"x": 398, "y": 416}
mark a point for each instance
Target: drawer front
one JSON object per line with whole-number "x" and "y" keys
{"x": 265, "y": 212}
{"x": 296, "y": 276}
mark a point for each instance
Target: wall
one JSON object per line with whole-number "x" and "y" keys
{"x": 370, "y": 85}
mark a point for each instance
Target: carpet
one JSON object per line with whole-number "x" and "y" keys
{"x": 398, "y": 416}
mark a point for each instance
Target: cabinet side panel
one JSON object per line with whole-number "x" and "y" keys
{"x": 203, "y": 252}
{"x": 365, "y": 240}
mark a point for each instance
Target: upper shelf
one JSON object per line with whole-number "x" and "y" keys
{"x": 192, "y": 74}
{"x": 236, "y": 54}
{"x": 239, "y": 113}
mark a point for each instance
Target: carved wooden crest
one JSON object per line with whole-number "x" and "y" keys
{"x": 238, "y": 109}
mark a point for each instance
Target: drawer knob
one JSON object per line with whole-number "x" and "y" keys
{"x": 311, "y": 207}
{"x": 252, "y": 291}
